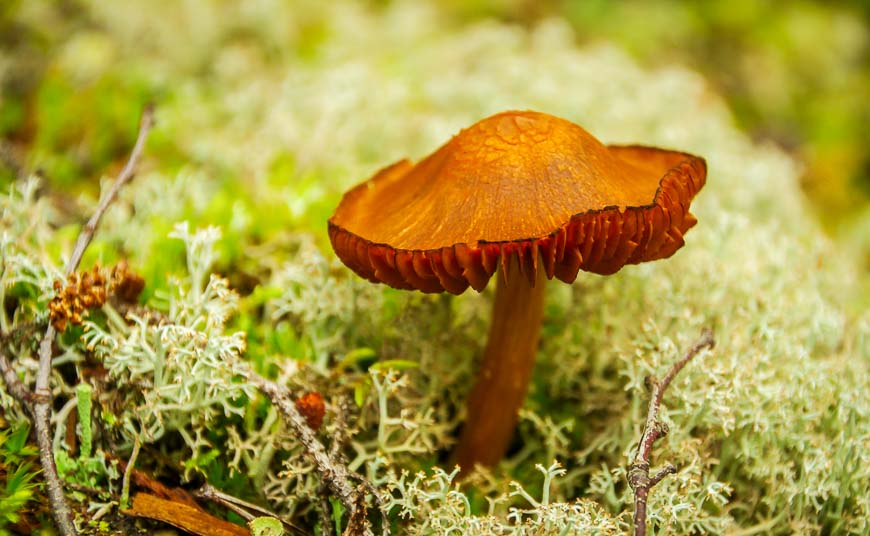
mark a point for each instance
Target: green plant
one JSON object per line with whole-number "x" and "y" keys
{"x": 18, "y": 468}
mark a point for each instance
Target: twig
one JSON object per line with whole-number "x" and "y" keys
{"x": 638, "y": 472}
{"x": 358, "y": 522}
{"x": 341, "y": 435}
{"x": 42, "y": 392}
{"x": 242, "y": 508}
{"x": 335, "y": 475}
{"x": 326, "y": 525}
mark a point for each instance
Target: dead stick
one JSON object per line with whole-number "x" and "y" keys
{"x": 638, "y": 472}
{"x": 242, "y": 508}
{"x": 42, "y": 391}
{"x": 335, "y": 475}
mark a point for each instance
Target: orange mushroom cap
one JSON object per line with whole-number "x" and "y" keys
{"x": 522, "y": 184}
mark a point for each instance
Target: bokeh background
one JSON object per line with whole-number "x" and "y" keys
{"x": 794, "y": 73}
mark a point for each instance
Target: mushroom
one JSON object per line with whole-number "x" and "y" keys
{"x": 534, "y": 197}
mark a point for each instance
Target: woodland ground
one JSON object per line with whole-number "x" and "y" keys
{"x": 266, "y": 113}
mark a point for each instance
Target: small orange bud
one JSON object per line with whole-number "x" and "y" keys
{"x": 311, "y": 406}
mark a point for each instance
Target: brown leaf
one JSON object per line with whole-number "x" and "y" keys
{"x": 183, "y": 516}
{"x": 178, "y": 495}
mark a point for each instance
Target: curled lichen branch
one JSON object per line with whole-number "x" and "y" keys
{"x": 638, "y": 472}
{"x": 335, "y": 475}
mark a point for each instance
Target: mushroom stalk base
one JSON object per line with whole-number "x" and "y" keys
{"x": 506, "y": 370}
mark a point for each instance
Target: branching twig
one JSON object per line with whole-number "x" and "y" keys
{"x": 39, "y": 402}
{"x": 638, "y": 472}
{"x": 335, "y": 475}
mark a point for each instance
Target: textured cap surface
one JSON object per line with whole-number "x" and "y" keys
{"x": 517, "y": 183}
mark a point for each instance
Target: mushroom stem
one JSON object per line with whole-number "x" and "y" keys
{"x": 506, "y": 370}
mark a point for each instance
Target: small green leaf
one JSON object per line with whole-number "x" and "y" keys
{"x": 355, "y": 357}
{"x": 266, "y": 526}
{"x": 395, "y": 364}
{"x": 261, "y": 294}
{"x": 360, "y": 391}
{"x": 15, "y": 444}
{"x": 337, "y": 513}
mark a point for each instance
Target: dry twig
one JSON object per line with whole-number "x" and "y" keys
{"x": 638, "y": 472}
{"x": 334, "y": 474}
{"x": 243, "y": 508}
{"x": 38, "y": 403}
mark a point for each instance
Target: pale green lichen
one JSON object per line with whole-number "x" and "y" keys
{"x": 185, "y": 366}
{"x": 434, "y": 504}
{"x": 771, "y": 430}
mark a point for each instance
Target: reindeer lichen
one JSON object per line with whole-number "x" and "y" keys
{"x": 184, "y": 364}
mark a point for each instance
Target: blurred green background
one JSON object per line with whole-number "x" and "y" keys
{"x": 796, "y": 74}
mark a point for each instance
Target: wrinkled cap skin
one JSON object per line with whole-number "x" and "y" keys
{"x": 517, "y": 184}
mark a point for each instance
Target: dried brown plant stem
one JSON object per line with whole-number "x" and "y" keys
{"x": 326, "y": 526}
{"x": 638, "y": 472}
{"x": 39, "y": 402}
{"x": 243, "y": 508}
{"x": 335, "y": 475}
